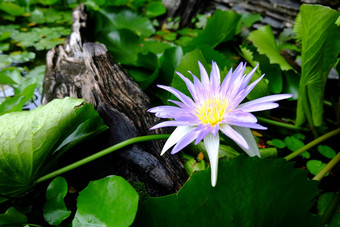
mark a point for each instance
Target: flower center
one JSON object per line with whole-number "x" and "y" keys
{"x": 211, "y": 111}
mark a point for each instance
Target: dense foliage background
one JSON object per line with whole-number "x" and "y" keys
{"x": 303, "y": 61}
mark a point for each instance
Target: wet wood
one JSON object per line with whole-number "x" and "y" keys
{"x": 86, "y": 70}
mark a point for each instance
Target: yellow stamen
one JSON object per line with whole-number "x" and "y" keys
{"x": 211, "y": 111}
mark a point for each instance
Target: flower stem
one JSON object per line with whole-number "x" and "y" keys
{"x": 313, "y": 143}
{"x": 281, "y": 124}
{"x": 331, "y": 209}
{"x": 327, "y": 168}
{"x": 100, "y": 154}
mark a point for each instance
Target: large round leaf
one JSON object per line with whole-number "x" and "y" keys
{"x": 110, "y": 201}
{"x": 30, "y": 140}
{"x": 249, "y": 192}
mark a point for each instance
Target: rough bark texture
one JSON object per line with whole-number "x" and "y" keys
{"x": 279, "y": 14}
{"x": 185, "y": 9}
{"x": 86, "y": 70}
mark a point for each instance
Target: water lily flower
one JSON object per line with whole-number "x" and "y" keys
{"x": 214, "y": 107}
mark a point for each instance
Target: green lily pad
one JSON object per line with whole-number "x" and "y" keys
{"x": 278, "y": 143}
{"x": 293, "y": 143}
{"x": 249, "y": 192}
{"x": 315, "y": 166}
{"x": 326, "y": 151}
{"x": 22, "y": 56}
{"x": 110, "y": 201}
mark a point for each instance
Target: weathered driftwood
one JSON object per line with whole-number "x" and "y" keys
{"x": 185, "y": 9}
{"x": 279, "y": 14}
{"x": 86, "y": 70}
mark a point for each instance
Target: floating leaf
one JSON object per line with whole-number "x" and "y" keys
{"x": 50, "y": 15}
{"x": 278, "y": 143}
{"x": 5, "y": 60}
{"x": 24, "y": 56}
{"x": 245, "y": 185}
{"x": 41, "y": 38}
{"x": 12, "y": 217}
{"x": 299, "y": 136}
{"x": 30, "y": 138}
{"x": 326, "y": 151}
{"x": 315, "y": 166}
{"x": 4, "y": 47}
{"x": 320, "y": 47}
{"x": 110, "y": 201}
{"x": 55, "y": 210}
{"x": 293, "y": 143}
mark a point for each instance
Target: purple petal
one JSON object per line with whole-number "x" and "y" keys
{"x": 225, "y": 84}
{"x": 176, "y": 136}
{"x": 185, "y": 141}
{"x": 248, "y": 125}
{"x": 234, "y": 135}
{"x": 239, "y": 116}
{"x": 215, "y": 129}
{"x": 204, "y": 75}
{"x": 180, "y": 104}
{"x": 258, "y": 107}
{"x": 185, "y": 99}
{"x": 215, "y": 77}
{"x": 168, "y": 111}
{"x": 212, "y": 144}
{"x": 188, "y": 118}
{"x": 200, "y": 89}
{"x": 171, "y": 124}
{"x": 247, "y": 78}
{"x": 204, "y": 131}
{"x": 270, "y": 98}
{"x": 247, "y": 90}
{"x": 239, "y": 70}
{"x": 190, "y": 85}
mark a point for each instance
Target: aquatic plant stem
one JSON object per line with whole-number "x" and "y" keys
{"x": 331, "y": 209}
{"x": 282, "y": 124}
{"x": 101, "y": 154}
{"x": 312, "y": 144}
{"x": 327, "y": 168}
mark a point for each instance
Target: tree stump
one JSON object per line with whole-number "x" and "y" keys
{"x": 86, "y": 70}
